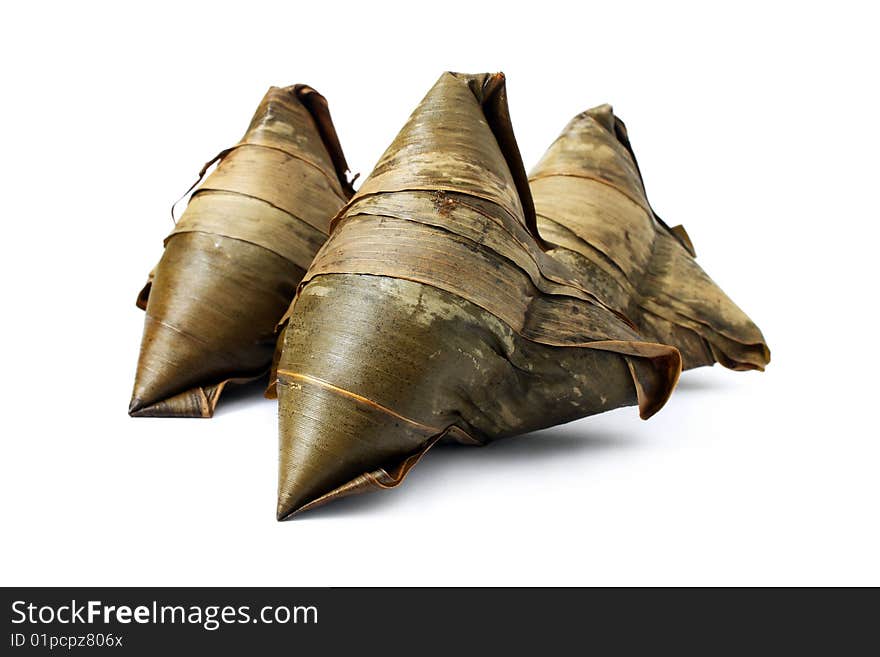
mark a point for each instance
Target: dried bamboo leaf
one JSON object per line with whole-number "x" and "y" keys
{"x": 591, "y": 203}
{"x": 432, "y": 313}
{"x": 233, "y": 261}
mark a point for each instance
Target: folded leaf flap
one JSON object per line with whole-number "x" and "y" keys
{"x": 491, "y": 91}
{"x": 676, "y": 287}
{"x": 603, "y": 115}
{"x": 738, "y": 356}
{"x": 198, "y": 402}
{"x": 655, "y": 370}
{"x": 317, "y": 105}
{"x": 378, "y": 479}
{"x": 144, "y": 295}
{"x": 681, "y": 235}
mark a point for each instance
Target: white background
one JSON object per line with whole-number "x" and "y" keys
{"x": 756, "y": 127}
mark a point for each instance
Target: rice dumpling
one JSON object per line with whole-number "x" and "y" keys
{"x": 590, "y": 203}
{"x": 432, "y": 313}
{"x": 232, "y": 263}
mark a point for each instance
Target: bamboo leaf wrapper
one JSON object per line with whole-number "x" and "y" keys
{"x": 433, "y": 313}
{"x": 591, "y": 203}
{"x": 232, "y": 263}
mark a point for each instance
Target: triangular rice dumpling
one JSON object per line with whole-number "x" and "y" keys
{"x": 433, "y": 313}
{"x": 232, "y": 263}
{"x": 590, "y": 202}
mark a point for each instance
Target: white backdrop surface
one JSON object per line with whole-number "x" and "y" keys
{"x": 755, "y": 127}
